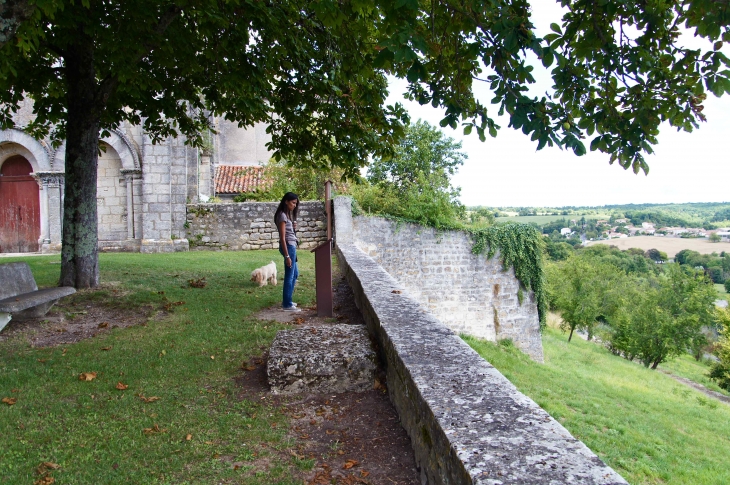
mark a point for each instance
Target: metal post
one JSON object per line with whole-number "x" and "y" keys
{"x": 328, "y": 207}
{"x": 323, "y": 262}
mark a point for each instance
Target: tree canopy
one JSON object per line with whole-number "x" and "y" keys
{"x": 315, "y": 71}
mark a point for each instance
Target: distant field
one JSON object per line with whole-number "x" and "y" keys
{"x": 540, "y": 220}
{"x": 670, "y": 245}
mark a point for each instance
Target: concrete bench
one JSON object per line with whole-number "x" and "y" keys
{"x": 20, "y": 296}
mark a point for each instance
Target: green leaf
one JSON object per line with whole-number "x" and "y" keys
{"x": 556, "y": 28}
{"x": 547, "y": 57}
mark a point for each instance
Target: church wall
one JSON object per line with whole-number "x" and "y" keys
{"x": 111, "y": 197}
{"x": 241, "y": 146}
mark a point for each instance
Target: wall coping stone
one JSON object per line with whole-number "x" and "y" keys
{"x": 467, "y": 422}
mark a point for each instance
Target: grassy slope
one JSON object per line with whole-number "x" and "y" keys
{"x": 189, "y": 360}
{"x": 645, "y": 425}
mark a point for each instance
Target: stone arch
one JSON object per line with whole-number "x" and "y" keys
{"x": 124, "y": 147}
{"x": 17, "y": 142}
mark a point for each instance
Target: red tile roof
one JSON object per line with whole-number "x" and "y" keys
{"x": 230, "y": 179}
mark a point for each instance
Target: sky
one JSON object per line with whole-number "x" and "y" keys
{"x": 508, "y": 171}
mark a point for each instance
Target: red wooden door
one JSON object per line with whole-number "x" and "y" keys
{"x": 20, "y": 210}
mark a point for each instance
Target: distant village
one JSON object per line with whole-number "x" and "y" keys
{"x": 622, "y": 228}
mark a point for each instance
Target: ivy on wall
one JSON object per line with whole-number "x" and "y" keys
{"x": 520, "y": 247}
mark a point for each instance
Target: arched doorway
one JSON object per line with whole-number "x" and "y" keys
{"x": 20, "y": 213}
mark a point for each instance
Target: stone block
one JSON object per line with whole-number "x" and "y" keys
{"x": 325, "y": 359}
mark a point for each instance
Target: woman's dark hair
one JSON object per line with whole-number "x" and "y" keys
{"x": 282, "y": 206}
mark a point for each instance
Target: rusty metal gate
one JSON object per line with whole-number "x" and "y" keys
{"x": 20, "y": 214}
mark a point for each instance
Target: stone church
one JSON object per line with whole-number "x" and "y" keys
{"x": 142, "y": 188}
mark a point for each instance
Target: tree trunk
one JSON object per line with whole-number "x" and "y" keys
{"x": 80, "y": 254}
{"x": 571, "y": 334}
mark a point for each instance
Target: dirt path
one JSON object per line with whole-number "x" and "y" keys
{"x": 353, "y": 437}
{"x": 698, "y": 387}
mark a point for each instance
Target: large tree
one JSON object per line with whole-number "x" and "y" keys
{"x": 315, "y": 71}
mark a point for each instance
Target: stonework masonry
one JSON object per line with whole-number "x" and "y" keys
{"x": 143, "y": 188}
{"x": 467, "y": 423}
{"x": 250, "y": 225}
{"x": 469, "y": 293}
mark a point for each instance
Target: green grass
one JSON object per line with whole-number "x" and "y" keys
{"x": 721, "y": 293}
{"x": 648, "y": 427}
{"x": 189, "y": 359}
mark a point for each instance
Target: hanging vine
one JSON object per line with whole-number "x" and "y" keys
{"x": 520, "y": 247}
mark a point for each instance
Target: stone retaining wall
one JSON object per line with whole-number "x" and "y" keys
{"x": 250, "y": 225}
{"x": 467, "y": 423}
{"x": 469, "y": 293}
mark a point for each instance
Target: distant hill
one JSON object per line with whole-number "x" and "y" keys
{"x": 709, "y": 215}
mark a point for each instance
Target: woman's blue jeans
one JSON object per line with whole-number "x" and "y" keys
{"x": 290, "y": 275}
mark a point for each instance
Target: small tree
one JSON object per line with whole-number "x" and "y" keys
{"x": 720, "y": 371}
{"x": 415, "y": 183}
{"x": 714, "y": 237}
{"x": 663, "y": 317}
{"x": 583, "y": 290}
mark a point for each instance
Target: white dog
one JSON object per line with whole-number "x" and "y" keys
{"x": 265, "y": 274}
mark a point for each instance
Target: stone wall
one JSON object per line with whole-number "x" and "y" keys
{"x": 467, "y": 423}
{"x": 469, "y": 293}
{"x": 250, "y": 225}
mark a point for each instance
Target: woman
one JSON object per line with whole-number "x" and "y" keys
{"x": 285, "y": 219}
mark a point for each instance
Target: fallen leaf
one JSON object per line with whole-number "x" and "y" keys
{"x": 377, "y": 384}
{"x": 46, "y": 466}
{"x": 340, "y": 452}
{"x": 188, "y": 437}
{"x": 45, "y": 481}
{"x": 212, "y": 357}
{"x": 208, "y": 442}
{"x": 199, "y": 283}
{"x": 154, "y": 430}
{"x": 103, "y": 324}
{"x": 249, "y": 367}
{"x": 9, "y": 400}
{"x": 295, "y": 455}
{"x": 42, "y": 361}
{"x": 350, "y": 463}
{"x": 330, "y": 431}
{"x": 87, "y": 376}
{"x": 122, "y": 387}
{"x": 364, "y": 474}
{"x": 14, "y": 390}
{"x": 149, "y": 399}
{"x": 298, "y": 321}
{"x": 106, "y": 348}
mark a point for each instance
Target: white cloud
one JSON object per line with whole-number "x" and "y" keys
{"x": 508, "y": 171}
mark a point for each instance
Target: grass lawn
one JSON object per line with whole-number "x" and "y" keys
{"x": 648, "y": 427}
{"x": 187, "y": 358}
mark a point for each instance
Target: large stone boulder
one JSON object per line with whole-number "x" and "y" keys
{"x": 324, "y": 359}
